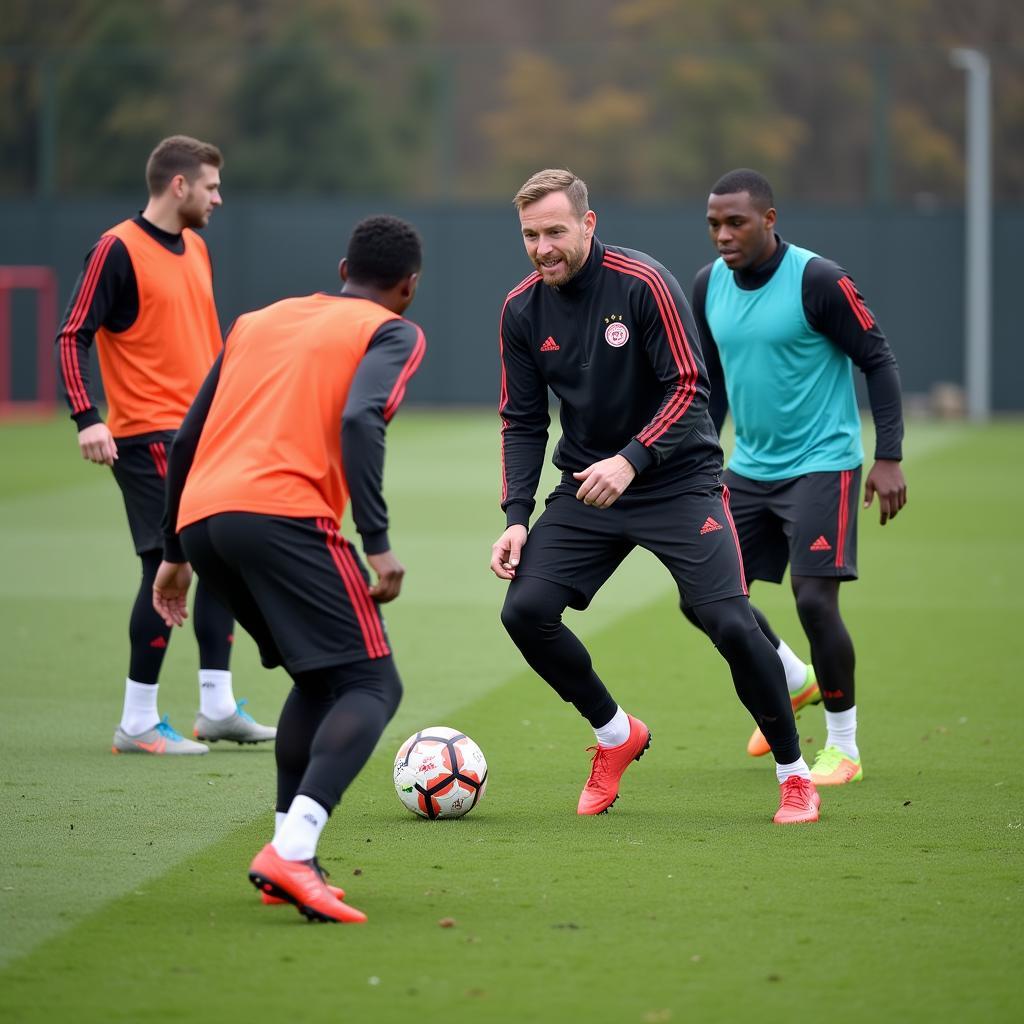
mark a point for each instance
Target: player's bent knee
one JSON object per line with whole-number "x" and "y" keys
{"x": 729, "y": 624}
{"x": 386, "y": 683}
{"x": 519, "y": 614}
{"x": 817, "y": 602}
{"x": 393, "y": 695}
{"x": 691, "y": 616}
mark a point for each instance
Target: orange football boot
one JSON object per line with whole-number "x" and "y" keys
{"x": 300, "y": 882}
{"x": 602, "y": 788}
{"x": 274, "y": 901}
{"x": 798, "y": 802}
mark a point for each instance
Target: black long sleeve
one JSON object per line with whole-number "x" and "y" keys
{"x": 718, "y": 397}
{"x": 182, "y": 454}
{"x": 835, "y": 308}
{"x": 105, "y": 295}
{"x": 393, "y": 356}
{"x": 523, "y": 409}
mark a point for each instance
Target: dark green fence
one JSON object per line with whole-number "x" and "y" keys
{"x": 908, "y": 263}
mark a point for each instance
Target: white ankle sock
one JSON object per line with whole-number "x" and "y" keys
{"x": 842, "y": 731}
{"x": 299, "y": 833}
{"x": 615, "y": 732}
{"x": 787, "y": 771}
{"x": 216, "y": 698}
{"x": 796, "y": 670}
{"x": 139, "y": 713}
{"x": 279, "y": 817}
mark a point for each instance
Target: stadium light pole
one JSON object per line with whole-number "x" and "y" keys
{"x": 978, "y": 250}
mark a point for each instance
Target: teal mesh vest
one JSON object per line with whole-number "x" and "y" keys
{"x": 790, "y": 389}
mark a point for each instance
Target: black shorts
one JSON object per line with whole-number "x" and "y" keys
{"x": 296, "y": 586}
{"x": 580, "y": 546}
{"x": 140, "y": 470}
{"x": 809, "y": 522}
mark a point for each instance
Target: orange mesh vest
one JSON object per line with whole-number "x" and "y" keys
{"x": 152, "y": 371}
{"x": 272, "y": 440}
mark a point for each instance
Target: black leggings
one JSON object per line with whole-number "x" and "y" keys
{"x": 757, "y": 672}
{"x": 329, "y": 725}
{"x": 148, "y": 634}
{"x": 817, "y": 604}
{"x": 532, "y": 614}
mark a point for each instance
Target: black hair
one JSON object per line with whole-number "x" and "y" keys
{"x": 745, "y": 180}
{"x": 382, "y": 250}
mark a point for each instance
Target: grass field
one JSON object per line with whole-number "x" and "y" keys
{"x": 123, "y": 892}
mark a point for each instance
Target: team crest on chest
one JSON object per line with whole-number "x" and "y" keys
{"x": 616, "y": 333}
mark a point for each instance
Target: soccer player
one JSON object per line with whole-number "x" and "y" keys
{"x": 608, "y": 330}
{"x": 146, "y": 298}
{"x": 782, "y": 328}
{"x": 256, "y": 487}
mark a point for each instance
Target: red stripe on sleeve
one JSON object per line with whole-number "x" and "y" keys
{"x": 72, "y": 375}
{"x": 411, "y": 366}
{"x": 523, "y": 285}
{"x": 860, "y": 311}
{"x": 674, "y": 327}
{"x": 68, "y": 348}
{"x": 680, "y": 346}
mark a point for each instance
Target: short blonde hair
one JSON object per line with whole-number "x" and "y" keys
{"x": 543, "y": 183}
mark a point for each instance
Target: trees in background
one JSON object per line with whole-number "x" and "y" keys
{"x": 647, "y": 99}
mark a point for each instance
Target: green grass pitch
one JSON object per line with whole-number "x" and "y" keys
{"x": 123, "y": 892}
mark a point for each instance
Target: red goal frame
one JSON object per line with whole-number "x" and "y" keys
{"x": 43, "y": 281}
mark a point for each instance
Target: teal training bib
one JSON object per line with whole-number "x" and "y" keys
{"x": 790, "y": 389}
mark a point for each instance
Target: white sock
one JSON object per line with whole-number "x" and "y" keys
{"x": 216, "y": 698}
{"x": 787, "y": 771}
{"x": 796, "y": 670}
{"x": 299, "y": 833}
{"x": 842, "y": 731}
{"x": 139, "y": 714}
{"x": 615, "y": 732}
{"x": 279, "y": 817}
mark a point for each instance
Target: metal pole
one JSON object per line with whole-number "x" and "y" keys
{"x": 978, "y": 276}
{"x": 47, "y": 144}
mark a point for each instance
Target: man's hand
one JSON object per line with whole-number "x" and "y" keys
{"x": 390, "y": 572}
{"x": 170, "y": 592}
{"x": 886, "y": 480}
{"x": 506, "y": 552}
{"x": 97, "y": 444}
{"x": 602, "y": 484}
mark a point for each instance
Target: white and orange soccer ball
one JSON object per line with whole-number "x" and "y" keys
{"x": 440, "y": 773}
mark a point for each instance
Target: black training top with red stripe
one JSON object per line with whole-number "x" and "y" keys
{"x": 618, "y": 347}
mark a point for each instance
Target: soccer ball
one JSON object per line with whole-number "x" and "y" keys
{"x": 440, "y": 773}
